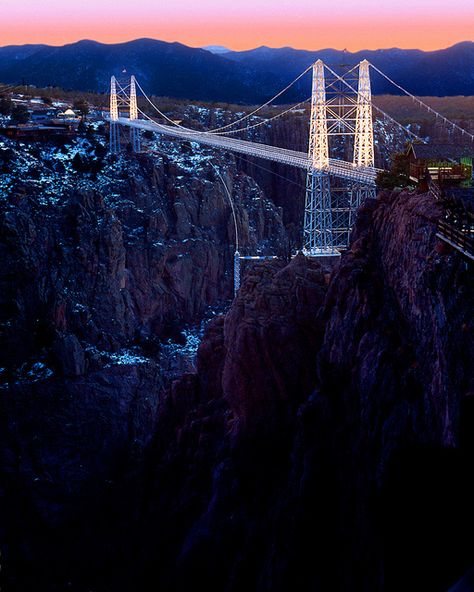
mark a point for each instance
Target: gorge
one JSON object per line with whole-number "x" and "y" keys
{"x": 314, "y": 433}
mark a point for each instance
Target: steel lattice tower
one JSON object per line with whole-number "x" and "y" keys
{"x": 318, "y": 215}
{"x": 134, "y": 132}
{"x": 364, "y": 134}
{"x": 114, "y": 115}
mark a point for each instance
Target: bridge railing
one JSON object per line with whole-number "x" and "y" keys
{"x": 462, "y": 239}
{"x": 434, "y": 188}
{"x": 338, "y": 168}
{"x": 458, "y": 234}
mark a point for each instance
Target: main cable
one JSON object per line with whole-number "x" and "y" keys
{"x": 198, "y": 132}
{"x": 242, "y": 129}
{"x": 420, "y": 102}
{"x": 246, "y": 116}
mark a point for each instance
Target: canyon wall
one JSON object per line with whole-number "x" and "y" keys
{"x": 320, "y": 441}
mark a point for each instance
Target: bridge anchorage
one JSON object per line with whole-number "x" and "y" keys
{"x": 339, "y": 164}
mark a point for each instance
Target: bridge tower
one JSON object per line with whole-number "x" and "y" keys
{"x": 134, "y": 132}
{"x": 318, "y": 214}
{"x": 114, "y": 115}
{"x": 364, "y": 135}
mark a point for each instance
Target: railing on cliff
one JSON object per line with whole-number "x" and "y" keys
{"x": 461, "y": 240}
{"x": 440, "y": 172}
{"x": 434, "y": 189}
{"x": 457, "y": 226}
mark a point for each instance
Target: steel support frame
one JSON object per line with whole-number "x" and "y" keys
{"x": 122, "y": 98}
{"x": 359, "y": 194}
{"x": 134, "y": 131}
{"x": 318, "y": 238}
{"x": 364, "y": 133}
{"x": 318, "y": 223}
{"x": 330, "y": 210}
{"x": 114, "y": 138}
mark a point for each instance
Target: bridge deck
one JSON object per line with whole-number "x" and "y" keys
{"x": 338, "y": 168}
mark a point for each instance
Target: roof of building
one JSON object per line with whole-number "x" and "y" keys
{"x": 445, "y": 151}
{"x": 68, "y": 113}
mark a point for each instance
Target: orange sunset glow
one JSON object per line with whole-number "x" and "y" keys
{"x": 423, "y": 24}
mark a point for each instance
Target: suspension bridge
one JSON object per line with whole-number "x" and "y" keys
{"x": 341, "y": 105}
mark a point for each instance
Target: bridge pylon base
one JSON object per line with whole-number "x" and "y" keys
{"x": 135, "y": 139}
{"x": 114, "y": 138}
{"x": 318, "y": 213}
{"x": 316, "y": 253}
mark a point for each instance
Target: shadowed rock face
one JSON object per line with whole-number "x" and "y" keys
{"x": 323, "y": 442}
{"x": 232, "y": 424}
{"x": 270, "y": 336}
{"x": 115, "y": 272}
{"x": 92, "y": 289}
{"x": 395, "y": 378}
{"x": 360, "y": 485}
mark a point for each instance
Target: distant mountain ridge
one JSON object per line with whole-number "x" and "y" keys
{"x": 213, "y": 74}
{"x": 219, "y": 49}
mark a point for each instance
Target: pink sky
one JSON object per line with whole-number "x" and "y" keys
{"x": 243, "y": 24}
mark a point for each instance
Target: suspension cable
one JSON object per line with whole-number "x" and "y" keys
{"x": 231, "y": 204}
{"x": 161, "y": 125}
{"x": 198, "y": 132}
{"x": 242, "y": 129}
{"x": 187, "y": 129}
{"x": 420, "y": 102}
{"x": 375, "y": 107}
{"x": 218, "y": 129}
{"x": 239, "y": 156}
{"x": 246, "y": 116}
{"x": 266, "y": 120}
{"x": 231, "y": 131}
{"x": 259, "y": 166}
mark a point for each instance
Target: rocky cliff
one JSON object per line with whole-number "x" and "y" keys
{"x": 105, "y": 281}
{"x": 346, "y": 464}
{"x": 320, "y": 442}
